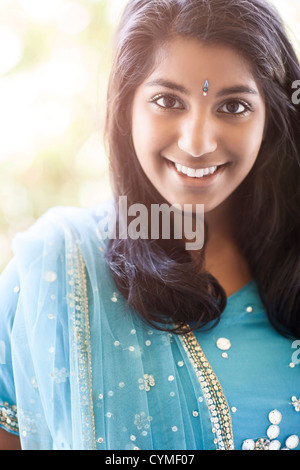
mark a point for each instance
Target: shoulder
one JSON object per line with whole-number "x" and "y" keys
{"x": 58, "y": 229}
{"x": 63, "y": 237}
{"x": 65, "y": 240}
{"x": 58, "y": 222}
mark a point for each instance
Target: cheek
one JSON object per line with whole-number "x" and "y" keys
{"x": 149, "y": 137}
{"x": 246, "y": 144}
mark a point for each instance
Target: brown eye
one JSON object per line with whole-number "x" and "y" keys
{"x": 168, "y": 102}
{"x": 236, "y": 108}
{"x": 233, "y": 107}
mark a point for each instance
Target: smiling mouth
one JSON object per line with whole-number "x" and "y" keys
{"x": 196, "y": 173}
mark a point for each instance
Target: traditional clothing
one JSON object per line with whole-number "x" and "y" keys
{"x": 80, "y": 370}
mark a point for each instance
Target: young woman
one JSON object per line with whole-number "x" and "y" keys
{"x": 139, "y": 343}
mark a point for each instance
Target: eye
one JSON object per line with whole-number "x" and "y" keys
{"x": 237, "y": 108}
{"x": 167, "y": 102}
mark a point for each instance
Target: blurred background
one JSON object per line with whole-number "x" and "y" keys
{"x": 54, "y": 64}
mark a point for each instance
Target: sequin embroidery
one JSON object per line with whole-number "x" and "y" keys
{"x": 9, "y": 417}
{"x": 81, "y": 345}
{"x": 296, "y": 403}
{"x": 271, "y": 442}
{"x": 213, "y": 393}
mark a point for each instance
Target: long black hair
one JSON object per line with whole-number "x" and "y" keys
{"x": 159, "y": 279}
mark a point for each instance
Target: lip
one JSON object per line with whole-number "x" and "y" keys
{"x": 197, "y": 182}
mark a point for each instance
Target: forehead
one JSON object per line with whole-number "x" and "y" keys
{"x": 190, "y": 61}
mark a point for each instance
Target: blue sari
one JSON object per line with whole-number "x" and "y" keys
{"x": 80, "y": 370}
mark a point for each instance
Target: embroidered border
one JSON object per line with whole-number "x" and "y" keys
{"x": 8, "y": 417}
{"x": 81, "y": 343}
{"x": 213, "y": 393}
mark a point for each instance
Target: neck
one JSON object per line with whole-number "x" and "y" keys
{"x": 223, "y": 257}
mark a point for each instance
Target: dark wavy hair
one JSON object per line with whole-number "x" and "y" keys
{"x": 158, "y": 278}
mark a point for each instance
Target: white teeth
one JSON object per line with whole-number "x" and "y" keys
{"x": 184, "y": 170}
{"x": 200, "y": 173}
{"x": 195, "y": 173}
{"x": 191, "y": 173}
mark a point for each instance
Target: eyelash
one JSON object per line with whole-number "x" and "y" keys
{"x": 156, "y": 98}
{"x": 247, "y": 106}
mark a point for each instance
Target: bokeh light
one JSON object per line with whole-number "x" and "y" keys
{"x": 54, "y": 64}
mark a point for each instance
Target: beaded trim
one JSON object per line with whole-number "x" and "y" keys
{"x": 81, "y": 344}
{"x": 8, "y": 417}
{"x": 213, "y": 393}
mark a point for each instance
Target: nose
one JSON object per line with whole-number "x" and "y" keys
{"x": 197, "y": 135}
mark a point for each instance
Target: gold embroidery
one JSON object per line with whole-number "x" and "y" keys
{"x": 8, "y": 417}
{"x": 213, "y": 393}
{"x": 81, "y": 346}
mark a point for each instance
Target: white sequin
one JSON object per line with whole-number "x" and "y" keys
{"x": 114, "y": 297}
{"x": 273, "y": 431}
{"x": 49, "y": 276}
{"x": 224, "y": 344}
{"x": 248, "y": 444}
{"x": 296, "y": 403}
{"x": 274, "y": 445}
{"x": 275, "y": 417}
{"x": 34, "y": 382}
{"x": 292, "y": 442}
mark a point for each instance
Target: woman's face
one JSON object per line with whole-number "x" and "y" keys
{"x": 198, "y": 149}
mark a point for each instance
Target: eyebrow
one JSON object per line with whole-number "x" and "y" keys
{"x": 237, "y": 89}
{"x": 224, "y": 92}
{"x": 167, "y": 84}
